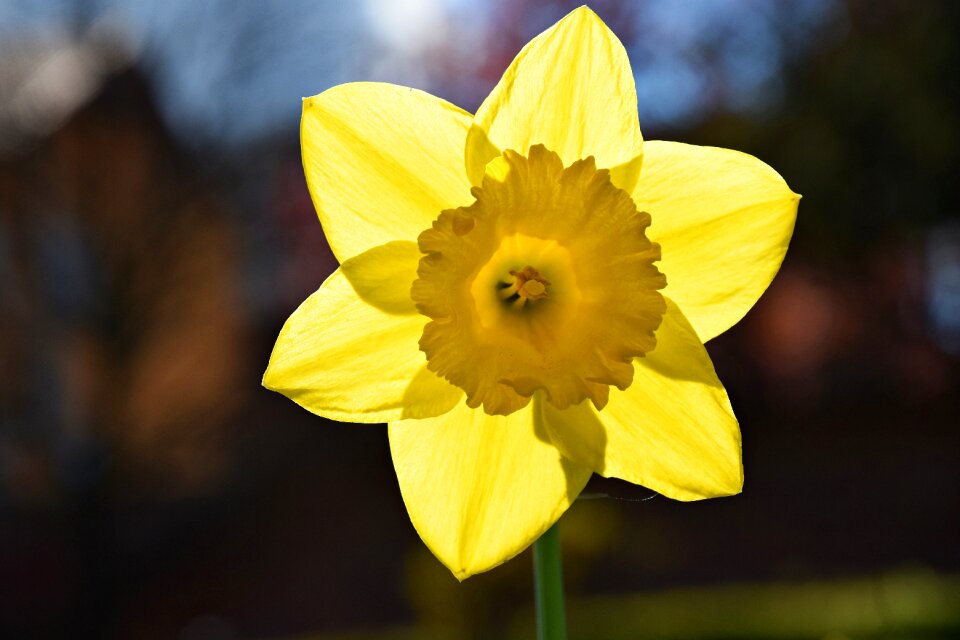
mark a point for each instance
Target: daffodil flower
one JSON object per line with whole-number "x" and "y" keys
{"x": 524, "y": 294}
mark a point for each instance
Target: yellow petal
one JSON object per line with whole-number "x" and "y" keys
{"x": 342, "y": 357}
{"x": 723, "y": 220}
{"x": 381, "y": 162}
{"x": 672, "y": 430}
{"x": 570, "y": 89}
{"x": 479, "y": 488}
{"x": 429, "y": 395}
{"x": 383, "y": 276}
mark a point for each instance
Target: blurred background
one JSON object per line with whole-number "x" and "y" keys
{"x": 155, "y": 232}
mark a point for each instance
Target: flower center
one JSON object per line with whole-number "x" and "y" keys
{"x": 545, "y": 283}
{"x": 523, "y": 285}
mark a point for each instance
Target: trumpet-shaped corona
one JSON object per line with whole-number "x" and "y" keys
{"x": 546, "y": 282}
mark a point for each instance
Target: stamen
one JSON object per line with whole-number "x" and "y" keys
{"x": 526, "y": 284}
{"x": 509, "y": 290}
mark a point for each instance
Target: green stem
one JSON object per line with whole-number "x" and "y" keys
{"x": 548, "y": 586}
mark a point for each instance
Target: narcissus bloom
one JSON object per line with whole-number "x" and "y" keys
{"x": 524, "y": 293}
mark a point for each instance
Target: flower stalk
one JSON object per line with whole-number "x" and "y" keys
{"x": 548, "y": 586}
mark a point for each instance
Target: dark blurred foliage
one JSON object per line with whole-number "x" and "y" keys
{"x": 150, "y": 488}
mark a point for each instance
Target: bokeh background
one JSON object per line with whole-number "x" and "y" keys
{"x": 155, "y": 232}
